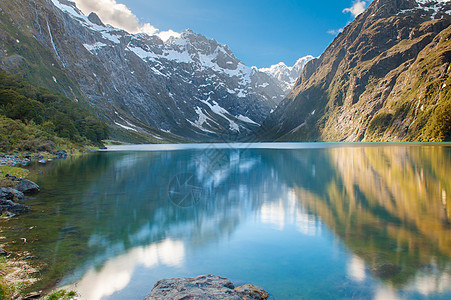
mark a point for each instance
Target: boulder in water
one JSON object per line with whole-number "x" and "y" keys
{"x": 27, "y": 187}
{"x": 204, "y": 287}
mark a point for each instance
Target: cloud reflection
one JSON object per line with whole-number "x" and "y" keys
{"x": 116, "y": 273}
{"x": 356, "y": 269}
{"x": 288, "y": 211}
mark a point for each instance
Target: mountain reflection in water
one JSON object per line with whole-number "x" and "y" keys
{"x": 333, "y": 221}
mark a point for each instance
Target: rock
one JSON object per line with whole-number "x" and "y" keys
{"x": 7, "y": 213}
{"x": 18, "y": 195}
{"x": 42, "y": 161}
{"x": 11, "y": 177}
{"x": 11, "y": 209}
{"x": 11, "y": 194}
{"x": 9, "y": 205}
{"x": 32, "y": 296}
{"x": 203, "y": 287}
{"x": 94, "y": 18}
{"x": 29, "y": 257}
{"x": 25, "y": 162}
{"x": 3, "y": 252}
{"x": 60, "y": 154}
{"x": 385, "y": 270}
{"x": 250, "y": 291}
{"x": 6, "y": 193}
{"x": 27, "y": 187}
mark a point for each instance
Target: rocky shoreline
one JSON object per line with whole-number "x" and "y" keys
{"x": 25, "y": 159}
{"x": 15, "y": 268}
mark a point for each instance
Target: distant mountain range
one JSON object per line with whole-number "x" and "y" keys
{"x": 185, "y": 89}
{"x": 386, "y": 77}
{"x": 287, "y": 76}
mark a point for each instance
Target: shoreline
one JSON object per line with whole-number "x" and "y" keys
{"x": 262, "y": 145}
{"x": 20, "y": 270}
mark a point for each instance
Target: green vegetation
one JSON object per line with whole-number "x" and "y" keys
{"x": 379, "y": 125}
{"x": 25, "y": 55}
{"x": 6, "y": 291}
{"x": 61, "y": 295}
{"x": 18, "y": 172}
{"x": 35, "y": 119}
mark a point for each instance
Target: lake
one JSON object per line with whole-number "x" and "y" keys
{"x": 310, "y": 221}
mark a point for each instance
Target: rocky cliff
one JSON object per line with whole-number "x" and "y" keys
{"x": 384, "y": 78}
{"x": 188, "y": 88}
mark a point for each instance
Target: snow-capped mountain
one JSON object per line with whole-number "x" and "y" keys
{"x": 188, "y": 86}
{"x": 287, "y": 76}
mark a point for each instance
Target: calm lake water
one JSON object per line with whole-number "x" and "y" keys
{"x": 310, "y": 221}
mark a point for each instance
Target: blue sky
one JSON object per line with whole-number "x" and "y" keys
{"x": 259, "y": 32}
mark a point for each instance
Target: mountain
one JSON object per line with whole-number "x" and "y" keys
{"x": 287, "y": 76}
{"x": 185, "y": 89}
{"x": 384, "y": 78}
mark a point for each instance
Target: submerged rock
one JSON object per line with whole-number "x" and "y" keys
{"x": 385, "y": 270}
{"x": 27, "y": 187}
{"x": 204, "y": 287}
{"x": 12, "y": 207}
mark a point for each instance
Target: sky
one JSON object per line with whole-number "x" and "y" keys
{"x": 259, "y": 32}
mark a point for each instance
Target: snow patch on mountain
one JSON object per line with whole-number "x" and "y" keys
{"x": 247, "y": 120}
{"x": 285, "y": 75}
{"x": 434, "y": 6}
{"x": 217, "y": 109}
{"x": 432, "y": 1}
{"x": 94, "y": 47}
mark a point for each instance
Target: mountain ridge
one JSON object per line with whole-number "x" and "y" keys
{"x": 188, "y": 88}
{"x": 384, "y": 78}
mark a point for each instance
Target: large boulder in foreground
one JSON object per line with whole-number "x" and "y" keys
{"x": 27, "y": 187}
{"x": 204, "y": 287}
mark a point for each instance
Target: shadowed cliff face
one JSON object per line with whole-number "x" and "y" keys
{"x": 385, "y": 78}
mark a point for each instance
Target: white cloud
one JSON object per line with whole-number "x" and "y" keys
{"x": 149, "y": 29}
{"x": 335, "y": 31}
{"x": 356, "y": 9}
{"x": 120, "y": 16}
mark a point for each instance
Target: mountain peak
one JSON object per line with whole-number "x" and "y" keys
{"x": 94, "y": 18}
{"x": 286, "y": 75}
{"x": 188, "y": 32}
